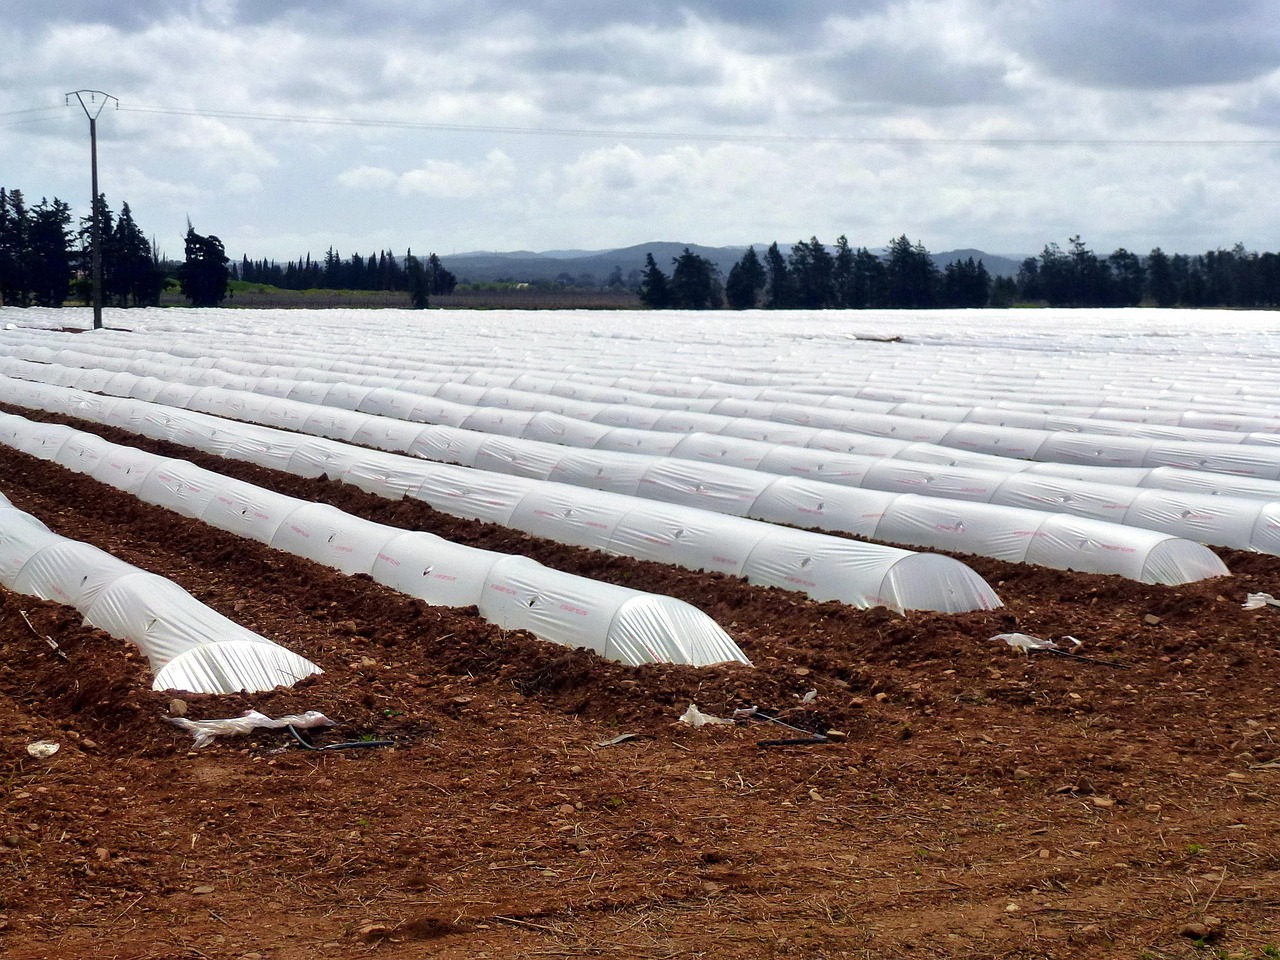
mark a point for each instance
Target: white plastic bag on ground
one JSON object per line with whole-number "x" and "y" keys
{"x": 696, "y": 718}
{"x": 205, "y": 730}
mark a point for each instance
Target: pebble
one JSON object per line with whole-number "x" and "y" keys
{"x": 202, "y": 891}
{"x": 1104, "y": 802}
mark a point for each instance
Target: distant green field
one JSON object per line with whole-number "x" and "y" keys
{"x": 263, "y": 296}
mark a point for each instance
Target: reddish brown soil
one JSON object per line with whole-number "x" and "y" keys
{"x": 979, "y": 803}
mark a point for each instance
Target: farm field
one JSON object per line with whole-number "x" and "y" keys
{"x": 969, "y": 800}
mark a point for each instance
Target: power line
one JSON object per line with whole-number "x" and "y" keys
{"x": 14, "y": 118}
{"x": 10, "y": 113}
{"x": 688, "y": 135}
{"x": 678, "y": 135}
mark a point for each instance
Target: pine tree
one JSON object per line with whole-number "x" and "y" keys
{"x": 49, "y": 252}
{"x": 654, "y": 290}
{"x": 1160, "y": 285}
{"x": 15, "y": 226}
{"x": 778, "y": 291}
{"x": 203, "y": 274}
{"x": 812, "y": 272}
{"x": 911, "y": 274}
{"x": 746, "y": 282}
{"x": 694, "y": 285}
{"x": 439, "y": 280}
{"x": 135, "y": 276}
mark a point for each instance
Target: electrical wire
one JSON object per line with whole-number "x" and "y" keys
{"x": 685, "y": 134}
{"x": 677, "y": 135}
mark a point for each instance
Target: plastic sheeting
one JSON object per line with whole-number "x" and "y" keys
{"x": 978, "y": 474}
{"x": 625, "y": 624}
{"x": 1002, "y": 531}
{"x": 494, "y": 497}
{"x": 189, "y": 646}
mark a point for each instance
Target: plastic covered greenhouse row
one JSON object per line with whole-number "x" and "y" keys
{"x": 819, "y": 565}
{"x": 1078, "y": 536}
{"x": 1126, "y": 439}
{"x": 1120, "y": 458}
{"x": 189, "y": 646}
{"x": 513, "y": 592}
{"x": 550, "y": 416}
{"x": 1016, "y": 532}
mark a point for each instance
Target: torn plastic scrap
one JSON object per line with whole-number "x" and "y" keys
{"x": 1025, "y": 642}
{"x": 696, "y": 718}
{"x": 205, "y": 730}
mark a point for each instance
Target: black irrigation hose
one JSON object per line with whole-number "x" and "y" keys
{"x": 1083, "y": 659}
{"x": 794, "y": 742}
{"x": 353, "y": 745}
{"x": 810, "y": 739}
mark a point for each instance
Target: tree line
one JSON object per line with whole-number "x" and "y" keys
{"x": 45, "y": 260}
{"x": 813, "y": 277}
{"x": 380, "y": 271}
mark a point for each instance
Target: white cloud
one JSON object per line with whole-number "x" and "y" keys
{"x": 439, "y": 178}
{"x": 367, "y": 178}
{"x": 952, "y": 71}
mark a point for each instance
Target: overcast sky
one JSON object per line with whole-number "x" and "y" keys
{"x": 706, "y": 121}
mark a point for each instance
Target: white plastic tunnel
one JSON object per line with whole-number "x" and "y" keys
{"x": 189, "y": 646}
{"x": 627, "y": 624}
{"x": 666, "y": 532}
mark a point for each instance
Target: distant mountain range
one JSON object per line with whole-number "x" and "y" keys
{"x": 525, "y": 266}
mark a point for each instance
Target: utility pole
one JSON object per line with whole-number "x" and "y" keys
{"x": 91, "y": 110}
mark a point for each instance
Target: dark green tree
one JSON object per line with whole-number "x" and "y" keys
{"x": 695, "y": 284}
{"x": 49, "y": 249}
{"x": 746, "y": 282}
{"x": 870, "y": 286}
{"x": 778, "y": 289}
{"x": 1004, "y": 292}
{"x": 965, "y": 284}
{"x": 440, "y": 282}
{"x": 655, "y": 291}
{"x": 203, "y": 274}
{"x": 1056, "y": 278}
{"x": 1161, "y": 287}
{"x": 419, "y": 282}
{"x": 15, "y": 228}
{"x": 842, "y": 273}
{"x": 1091, "y": 277}
{"x": 84, "y": 265}
{"x": 1127, "y": 278}
{"x": 136, "y": 277}
{"x": 911, "y": 275}
{"x": 812, "y": 270}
